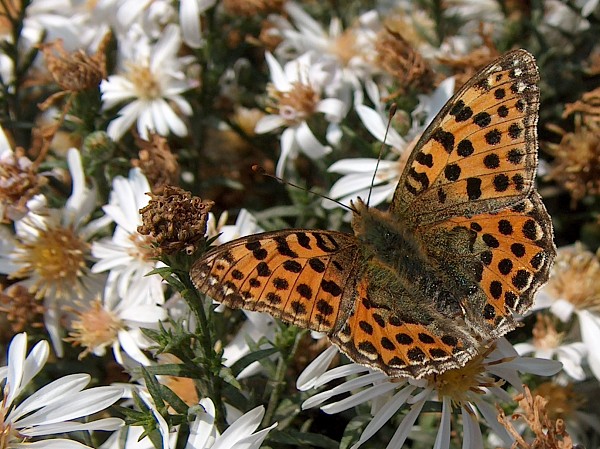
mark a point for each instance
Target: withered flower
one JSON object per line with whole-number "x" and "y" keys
{"x": 157, "y": 162}
{"x": 19, "y": 182}
{"x": 576, "y": 164}
{"x": 548, "y": 433}
{"x": 20, "y": 308}
{"x": 397, "y": 57}
{"x": 76, "y": 71}
{"x": 176, "y": 220}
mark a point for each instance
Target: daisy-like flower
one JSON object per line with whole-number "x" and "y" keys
{"x": 296, "y": 95}
{"x": 50, "y": 250}
{"x": 115, "y": 322}
{"x": 573, "y": 289}
{"x": 471, "y": 391}
{"x": 357, "y": 179}
{"x": 128, "y": 255}
{"x": 51, "y": 410}
{"x": 151, "y": 84}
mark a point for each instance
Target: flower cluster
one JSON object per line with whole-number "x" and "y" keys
{"x": 128, "y": 134}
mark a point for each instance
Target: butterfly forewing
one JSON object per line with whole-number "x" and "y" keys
{"x": 480, "y": 153}
{"x": 298, "y": 276}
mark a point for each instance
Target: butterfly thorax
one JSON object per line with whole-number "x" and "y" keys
{"x": 392, "y": 251}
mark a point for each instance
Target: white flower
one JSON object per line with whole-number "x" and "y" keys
{"x": 116, "y": 322}
{"x": 358, "y": 173}
{"x": 54, "y": 408}
{"x": 471, "y": 391}
{"x": 240, "y": 434}
{"x": 151, "y": 85}
{"x": 351, "y": 50}
{"x": 50, "y": 251}
{"x": 128, "y": 255}
{"x": 296, "y": 92}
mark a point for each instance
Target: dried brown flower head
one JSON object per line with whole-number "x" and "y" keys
{"x": 576, "y": 164}
{"x": 589, "y": 108}
{"x": 575, "y": 277}
{"x": 562, "y": 400}
{"x": 76, "y": 71}
{"x": 21, "y": 309}
{"x": 176, "y": 220}
{"x": 548, "y": 433}
{"x": 157, "y": 162}
{"x": 251, "y": 8}
{"x": 397, "y": 57}
{"x": 19, "y": 182}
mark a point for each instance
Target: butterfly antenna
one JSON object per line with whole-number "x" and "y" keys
{"x": 261, "y": 171}
{"x": 391, "y": 114}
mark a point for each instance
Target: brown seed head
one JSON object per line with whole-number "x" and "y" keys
{"x": 19, "y": 182}
{"x": 157, "y": 162}
{"x": 21, "y": 309}
{"x": 251, "y": 8}
{"x": 76, "y": 71}
{"x": 576, "y": 164}
{"x": 396, "y": 56}
{"x": 175, "y": 219}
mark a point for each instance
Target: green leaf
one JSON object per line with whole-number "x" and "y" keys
{"x": 245, "y": 361}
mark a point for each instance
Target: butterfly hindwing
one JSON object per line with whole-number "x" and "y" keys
{"x": 298, "y": 276}
{"x": 480, "y": 152}
{"x": 510, "y": 252}
{"x": 388, "y": 330}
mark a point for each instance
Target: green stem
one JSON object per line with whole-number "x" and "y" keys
{"x": 279, "y": 382}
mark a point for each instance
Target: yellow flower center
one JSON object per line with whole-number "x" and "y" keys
{"x": 56, "y": 261}
{"x": 459, "y": 385}
{"x": 146, "y": 85}
{"x": 94, "y": 328}
{"x": 545, "y": 335}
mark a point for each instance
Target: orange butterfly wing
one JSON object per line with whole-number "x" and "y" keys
{"x": 299, "y": 276}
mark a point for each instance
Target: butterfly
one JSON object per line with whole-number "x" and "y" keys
{"x": 420, "y": 288}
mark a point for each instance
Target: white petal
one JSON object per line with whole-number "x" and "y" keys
{"x": 358, "y": 398}
{"x": 345, "y": 387}
{"x": 55, "y": 443}
{"x": 563, "y": 309}
{"x": 288, "y": 148}
{"x": 278, "y": 77}
{"x": 52, "y": 393}
{"x": 105, "y": 424}
{"x": 490, "y": 414}
{"x": 472, "y": 438}
{"x": 442, "y": 439}
{"x": 242, "y": 427}
{"x": 378, "y": 127}
{"x": 334, "y": 109}
{"x": 268, "y": 123}
{"x": 405, "y": 426}
{"x": 384, "y": 414}
{"x": 16, "y": 364}
{"x": 309, "y": 144}
{"x": 189, "y": 18}
{"x": 202, "y": 429}
{"x": 590, "y": 335}
{"x": 80, "y": 404}
{"x": 306, "y": 380}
